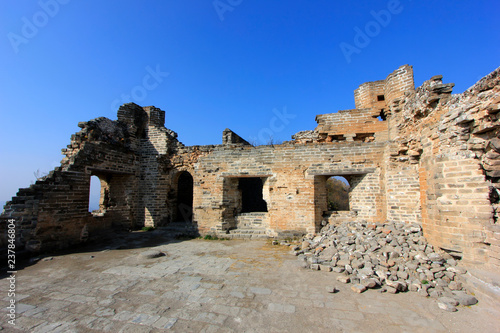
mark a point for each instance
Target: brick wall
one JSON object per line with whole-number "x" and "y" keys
{"x": 398, "y": 83}
{"x": 451, "y": 138}
{"x": 367, "y": 95}
{"x": 294, "y": 183}
{"x": 351, "y": 125}
{"x": 434, "y": 161}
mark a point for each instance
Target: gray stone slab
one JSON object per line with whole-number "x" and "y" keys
{"x": 197, "y": 289}
{"x": 20, "y": 307}
{"x": 165, "y": 323}
{"x": 286, "y": 308}
{"x": 260, "y": 291}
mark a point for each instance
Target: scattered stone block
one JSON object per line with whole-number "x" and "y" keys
{"x": 338, "y": 269}
{"x": 331, "y": 289}
{"x": 423, "y": 292}
{"x": 326, "y": 268}
{"x": 369, "y": 283}
{"x": 359, "y": 288}
{"x": 391, "y": 290}
{"x": 343, "y": 279}
{"x": 454, "y": 285}
{"x": 464, "y": 299}
{"x": 446, "y": 307}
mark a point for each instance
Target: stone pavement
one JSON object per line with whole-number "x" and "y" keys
{"x": 213, "y": 286}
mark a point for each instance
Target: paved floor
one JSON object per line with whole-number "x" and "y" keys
{"x": 213, "y": 286}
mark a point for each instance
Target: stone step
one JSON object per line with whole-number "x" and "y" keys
{"x": 180, "y": 229}
{"x": 247, "y": 233}
{"x": 245, "y": 236}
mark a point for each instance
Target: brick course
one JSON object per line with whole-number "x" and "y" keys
{"x": 432, "y": 158}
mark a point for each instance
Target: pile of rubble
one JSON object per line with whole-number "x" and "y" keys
{"x": 393, "y": 258}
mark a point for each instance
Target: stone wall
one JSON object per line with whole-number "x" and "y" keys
{"x": 54, "y": 212}
{"x": 370, "y": 95}
{"x": 294, "y": 183}
{"x": 452, "y": 139}
{"x": 351, "y": 125}
{"x": 420, "y": 156}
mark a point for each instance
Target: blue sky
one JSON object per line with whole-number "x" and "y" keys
{"x": 216, "y": 64}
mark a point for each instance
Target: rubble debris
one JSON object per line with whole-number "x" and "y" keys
{"x": 394, "y": 256}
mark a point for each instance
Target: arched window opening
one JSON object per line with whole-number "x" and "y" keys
{"x": 95, "y": 195}
{"x": 337, "y": 188}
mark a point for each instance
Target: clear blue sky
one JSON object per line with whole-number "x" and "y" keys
{"x": 229, "y": 66}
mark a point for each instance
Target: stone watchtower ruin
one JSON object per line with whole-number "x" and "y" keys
{"x": 421, "y": 156}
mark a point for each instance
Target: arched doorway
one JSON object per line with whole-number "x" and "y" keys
{"x": 184, "y": 211}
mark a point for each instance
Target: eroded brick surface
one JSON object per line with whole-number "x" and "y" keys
{"x": 413, "y": 155}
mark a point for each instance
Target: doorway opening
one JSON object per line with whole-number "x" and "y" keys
{"x": 184, "y": 197}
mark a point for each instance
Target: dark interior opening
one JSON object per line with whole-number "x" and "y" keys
{"x": 339, "y": 137}
{"x": 364, "y": 137}
{"x": 380, "y": 98}
{"x": 251, "y": 195}
{"x": 185, "y": 197}
{"x": 382, "y": 114}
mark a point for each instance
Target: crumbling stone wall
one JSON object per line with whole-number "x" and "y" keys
{"x": 351, "y": 125}
{"x": 420, "y": 156}
{"x": 53, "y": 212}
{"x": 294, "y": 183}
{"x": 453, "y": 140}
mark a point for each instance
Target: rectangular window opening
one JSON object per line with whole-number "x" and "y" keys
{"x": 252, "y": 199}
{"x": 340, "y": 137}
{"x": 364, "y": 137}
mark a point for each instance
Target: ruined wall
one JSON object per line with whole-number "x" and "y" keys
{"x": 294, "y": 176}
{"x": 370, "y": 95}
{"x": 398, "y": 83}
{"x": 154, "y": 184}
{"x": 453, "y": 141}
{"x": 434, "y": 161}
{"x": 351, "y": 125}
{"x": 54, "y": 212}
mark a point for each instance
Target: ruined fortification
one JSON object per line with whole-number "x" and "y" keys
{"x": 420, "y": 156}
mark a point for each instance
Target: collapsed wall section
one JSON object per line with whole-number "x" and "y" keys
{"x": 54, "y": 212}
{"x": 362, "y": 125}
{"x": 452, "y": 140}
